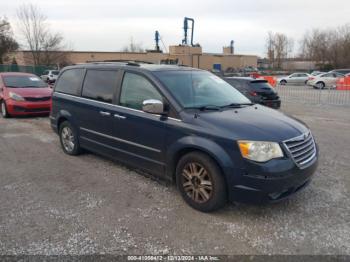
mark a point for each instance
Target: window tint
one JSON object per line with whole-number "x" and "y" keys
{"x": 100, "y": 85}
{"x": 136, "y": 89}
{"x": 237, "y": 84}
{"x": 70, "y": 81}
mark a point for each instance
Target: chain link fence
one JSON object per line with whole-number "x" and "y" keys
{"x": 309, "y": 95}
{"x": 37, "y": 70}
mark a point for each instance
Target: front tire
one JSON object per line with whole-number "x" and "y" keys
{"x": 69, "y": 139}
{"x": 4, "y": 111}
{"x": 200, "y": 182}
{"x": 320, "y": 85}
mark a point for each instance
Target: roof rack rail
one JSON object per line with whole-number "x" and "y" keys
{"x": 132, "y": 64}
{"x": 124, "y": 62}
{"x": 130, "y": 61}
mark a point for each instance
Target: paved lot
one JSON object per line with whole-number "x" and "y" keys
{"x": 55, "y": 204}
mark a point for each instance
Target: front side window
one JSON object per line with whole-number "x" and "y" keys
{"x": 194, "y": 89}
{"x": 70, "y": 81}
{"x": 23, "y": 81}
{"x": 135, "y": 90}
{"x": 100, "y": 85}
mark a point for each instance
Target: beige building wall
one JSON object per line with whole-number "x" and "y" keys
{"x": 184, "y": 55}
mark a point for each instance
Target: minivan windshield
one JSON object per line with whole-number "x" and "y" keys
{"x": 198, "y": 89}
{"x": 23, "y": 81}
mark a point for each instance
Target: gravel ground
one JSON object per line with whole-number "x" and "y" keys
{"x": 52, "y": 203}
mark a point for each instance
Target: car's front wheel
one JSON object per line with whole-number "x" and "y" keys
{"x": 69, "y": 139}
{"x": 201, "y": 182}
{"x": 320, "y": 85}
{"x": 4, "y": 111}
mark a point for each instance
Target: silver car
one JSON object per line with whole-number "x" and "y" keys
{"x": 50, "y": 76}
{"x": 296, "y": 79}
{"x": 321, "y": 81}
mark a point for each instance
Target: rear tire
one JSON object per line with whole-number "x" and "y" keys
{"x": 69, "y": 139}
{"x": 283, "y": 82}
{"x": 201, "y": 182}
{"x": 4, "y": 111}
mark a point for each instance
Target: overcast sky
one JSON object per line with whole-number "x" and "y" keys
{"x": 108, "y": 25}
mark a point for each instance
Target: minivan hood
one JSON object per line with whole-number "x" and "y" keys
{"x": 32, "y": 92}
{"x": 256, "y": 122}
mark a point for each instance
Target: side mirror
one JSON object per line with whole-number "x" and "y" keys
{"x": 153, "y": 106}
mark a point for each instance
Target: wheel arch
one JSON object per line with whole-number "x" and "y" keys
{"x": 197, "y": 144}
{"x": 62, "y": 116}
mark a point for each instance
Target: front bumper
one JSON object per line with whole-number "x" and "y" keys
{"x": 272, "y": 183}
{"x": 17, "y": 108}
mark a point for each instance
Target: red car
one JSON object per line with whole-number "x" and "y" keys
{"x": 23, "y": 94}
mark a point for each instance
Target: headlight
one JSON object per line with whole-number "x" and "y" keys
{"x": 260, "y": 151}
{"x": 16, "y": 97}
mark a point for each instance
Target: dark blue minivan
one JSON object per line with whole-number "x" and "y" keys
{"x": 185, "y": 125}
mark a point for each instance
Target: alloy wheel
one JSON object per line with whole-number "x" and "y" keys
{"x": 197, "y": 182}
{"x": 67, "y": 139}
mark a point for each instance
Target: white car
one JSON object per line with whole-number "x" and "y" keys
{"x": 321, "y": 81}
{"x": 296, "y": 79}
{"x": 50, "y": 76}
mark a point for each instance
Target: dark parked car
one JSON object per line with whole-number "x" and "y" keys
{"x": 257, "y": 90}
{"x": 185, "y": 125}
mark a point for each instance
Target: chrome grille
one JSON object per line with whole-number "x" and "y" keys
{"x": 302, "y": 149}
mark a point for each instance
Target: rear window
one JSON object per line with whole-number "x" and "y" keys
{"x": 70, "y": 81}
{"x": 55, "y": 72}
{"x": 100, "y": 85}
{"x": 23, "y": 81}
{"x": 260, "y": 85}
{"x": 343, "y": 71}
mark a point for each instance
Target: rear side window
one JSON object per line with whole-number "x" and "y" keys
{"x": 70, "y": 81}
{"x": 135, "y": 90}
{"x": 100, "y": 85}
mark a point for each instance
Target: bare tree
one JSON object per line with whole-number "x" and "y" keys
{"x": 270, "y": 45}
{"x": 133, "y": 47}
{"x": 279, "y": 46}
{"x": 329, "y": 48}
{"x": 46, "y": 46}
{"x": 7, "y": 42}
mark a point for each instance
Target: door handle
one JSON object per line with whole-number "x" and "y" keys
{"x": 119, "y": 116}
{"x": 104, "y": 113}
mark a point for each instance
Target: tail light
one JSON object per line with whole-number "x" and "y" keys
{"x": 311, "y": 78}
{"x": 253, "y": 93}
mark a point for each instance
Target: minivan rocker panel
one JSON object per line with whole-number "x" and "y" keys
{"x": 197, "y": 147}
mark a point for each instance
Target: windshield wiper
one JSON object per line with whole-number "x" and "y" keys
{"x": 205, "y": 108}
{"x": 237, "y": 105}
